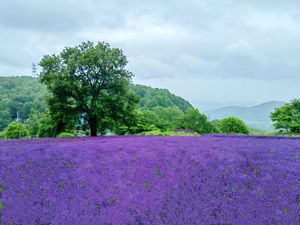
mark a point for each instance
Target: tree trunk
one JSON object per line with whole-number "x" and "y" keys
{"x": 93, "y": 125}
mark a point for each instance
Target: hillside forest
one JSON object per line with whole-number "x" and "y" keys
{"x": 23, "y": 99}
{"x": 23, "y": 104}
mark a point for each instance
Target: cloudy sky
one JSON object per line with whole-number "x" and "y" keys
{"x": 211, "y": 52}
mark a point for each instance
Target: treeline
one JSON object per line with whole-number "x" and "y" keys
{"x": 153, "y": 97}
{"x": 23, "y": 99}
{"x": 20, "y": 97}
{"x": 24, "y": 113}
{"x": 88, "y": 89}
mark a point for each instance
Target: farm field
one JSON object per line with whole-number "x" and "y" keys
{"x": 150, "y": 180}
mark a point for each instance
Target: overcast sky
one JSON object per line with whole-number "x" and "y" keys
{"x": 211, "y": 52}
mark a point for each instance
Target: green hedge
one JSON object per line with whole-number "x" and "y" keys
{"x": 16, "y": 130}
{"x": 66, "y": 135}
{"x": 2, "y": 135}
{"x": 168, "y": 133}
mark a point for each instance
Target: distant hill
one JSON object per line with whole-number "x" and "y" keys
{"x": 20, "y": 95}
{"x": 152, "y": 97}
{"x": 256, "y": 117}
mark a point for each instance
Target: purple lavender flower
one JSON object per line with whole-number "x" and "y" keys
{"x": 150, "y": 180}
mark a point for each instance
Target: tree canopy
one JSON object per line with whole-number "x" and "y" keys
{"x": 16, "y": 130}
{"x": 88, "y": 81}
{"x": 195, "y": 121}
{"x": 154, "y": 97}
{"x": 233, "y": 125}
{"x": 18, "y": 97}
{"x": 287, "y": 117}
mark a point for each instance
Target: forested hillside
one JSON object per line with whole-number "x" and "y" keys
{"x": 152, "y": 97}
{"x": 19, "y": 96}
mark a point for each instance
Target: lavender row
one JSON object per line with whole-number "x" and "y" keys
{"x": 150, "y": 180}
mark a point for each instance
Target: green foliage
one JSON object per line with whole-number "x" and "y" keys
{"x": 4, "y": 117}
{"x": 147, "y": 120}
{"x": 287, "y": 117}
{"x": 153, "y": 97}
{"x": 154, "y": 133}
{"x": 233, "y": 125}
{"x": 274, "y": 133}
{"x": 216, "y": 124}
{"x": 168, "y": 117}
{"x": 159, "y": 110}
{"x": 262, "y": 133}
{"x": 158, "y": 118}
{"x": 20, "y": 95}
{"x": 33, "y": 123}
{"x": 168, "y": 133}
{"x": 62, "y": 113}
{"x": 91, "y": 81}
{"x": 2, "y": 135}
{"x": 197, "y": 122}
{"x": 16, "y": 130}
{"x": 143, "y": 121}
{"x": 46, "y": 126}
{"x": 66, "y": 135}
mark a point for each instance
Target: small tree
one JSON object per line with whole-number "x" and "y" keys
{"x": 45, "y": 128}
{"x": 16, "y": 130}
{"x": 144, "y": 120}
{"x": 168, "y": 117}
{"x": 33, "y": 123}
{"x": 233, "y": 125}
{"x": 216, "y": 123}
{"x": 287, "y": 117}
{"x": 196, "y": 121}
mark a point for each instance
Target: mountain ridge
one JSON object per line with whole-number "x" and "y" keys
{"x": 256, "y": 116}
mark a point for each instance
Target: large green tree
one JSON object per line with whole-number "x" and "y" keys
{"x": 88, "y": 81}
{"x": 287, "y": 117}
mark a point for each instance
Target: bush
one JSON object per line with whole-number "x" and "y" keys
{"x": 66, "y": 135}
{"x": 153, "y": 133}
{"x": 2, "y": 135}
{"x": 45, "y": 126}
{"x": 172, "y": 133}
{"x": 233, "y": 125}
{"x": 196, "y": 121}
{"x": 16, "y": 130}
{"x": 168, "y": 133}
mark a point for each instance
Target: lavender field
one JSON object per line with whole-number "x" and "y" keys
{"x": 150, "y": 180}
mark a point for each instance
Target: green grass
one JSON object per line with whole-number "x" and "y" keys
{"x": 66, "y": 135}
{"x": 168, "y": 133}
{"x": 272, "y": 133}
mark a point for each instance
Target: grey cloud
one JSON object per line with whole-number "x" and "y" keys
{"x": 58, "y": 15}
{"x": 38, "y": 15}
{"x": 164, "y": 40}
